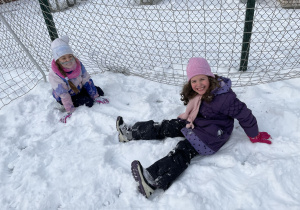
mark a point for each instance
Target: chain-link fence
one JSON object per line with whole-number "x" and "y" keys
{"x": 152, "y": 41}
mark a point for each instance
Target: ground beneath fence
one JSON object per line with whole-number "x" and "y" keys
{"x": 45, "y": 164}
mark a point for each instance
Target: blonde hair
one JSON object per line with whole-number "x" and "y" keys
{"x": 60, "y": 68}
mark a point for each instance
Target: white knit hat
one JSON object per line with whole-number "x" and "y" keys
{"x": 60, "y": 46}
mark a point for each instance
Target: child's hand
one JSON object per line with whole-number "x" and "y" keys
{"x": 101, "y": 100}
{"x": 262, "y": 137}
{"x": 64, "y": 118}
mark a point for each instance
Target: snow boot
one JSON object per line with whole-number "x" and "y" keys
{"x": 125, "y": 133}
{"x": 144, "y": 187}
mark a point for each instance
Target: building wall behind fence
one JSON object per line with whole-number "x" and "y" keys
{"x": 151, "y": 41}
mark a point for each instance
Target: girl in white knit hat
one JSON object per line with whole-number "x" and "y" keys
{"x": 71, "y": 83}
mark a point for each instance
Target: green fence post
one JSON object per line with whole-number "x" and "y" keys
{"x": 247, "y": 34}
{"x": 45, "y": 7}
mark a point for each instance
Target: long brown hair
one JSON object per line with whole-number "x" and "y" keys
{"x": 188, "y": 93}
{"x": 60, "y": 68}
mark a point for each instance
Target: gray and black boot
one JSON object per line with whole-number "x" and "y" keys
{"x": 125, "y": 132}
{"x": 143, "y": 178}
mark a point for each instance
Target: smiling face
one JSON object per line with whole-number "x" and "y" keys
{"x": 200, "y": 83}
{"x": 67, "y": 61}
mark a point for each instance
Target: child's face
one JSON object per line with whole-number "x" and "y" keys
{"x": 67, "y": 61}
{"x": 200, "y": 83}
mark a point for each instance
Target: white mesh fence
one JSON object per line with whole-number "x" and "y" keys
{"x": 151, "y": 41}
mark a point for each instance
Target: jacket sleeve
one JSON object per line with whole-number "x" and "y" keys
{"x": 61, "y": 90}
{"x": 234, "y": 108}
{"x": 88, "y": 83}
{"x": 68, "y": 103}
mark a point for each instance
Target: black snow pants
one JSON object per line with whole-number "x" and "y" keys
{"x": 167, "y": 169}
{"x": 83, "y": 98}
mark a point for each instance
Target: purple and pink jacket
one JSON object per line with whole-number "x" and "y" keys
{"x": 61, "y": 90}
{"x": 215, "y": 120}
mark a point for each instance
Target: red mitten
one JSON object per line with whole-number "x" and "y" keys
{"x": 262, "y": 137}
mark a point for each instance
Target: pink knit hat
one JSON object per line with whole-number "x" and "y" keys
{"x": 198, "y": 66}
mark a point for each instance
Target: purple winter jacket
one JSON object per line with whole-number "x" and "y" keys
{"x": 215, "y": 120}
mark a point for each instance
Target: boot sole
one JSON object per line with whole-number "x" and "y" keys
{"x": 137, "y": 173}
{"x": 120, "y": 136}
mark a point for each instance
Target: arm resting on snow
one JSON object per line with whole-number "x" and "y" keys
{"x": 67, "y": 102}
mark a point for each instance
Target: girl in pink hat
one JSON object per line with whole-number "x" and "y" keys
{"x": 206, "y": 126}
{"x": 71, "y": 83}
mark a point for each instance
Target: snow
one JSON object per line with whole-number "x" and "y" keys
{"x": 46, "y": 164}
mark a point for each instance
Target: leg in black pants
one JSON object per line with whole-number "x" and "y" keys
{"x": 167, "y": 169}
{"x": 163, "y": 172}
{"x": 83, "y": 98}
{"x": 151, "y": 130}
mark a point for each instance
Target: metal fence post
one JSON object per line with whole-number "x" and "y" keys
{"x": 22, "y": 46}
{"x": 45, "y": 7}
{"x": 247, "y": 34}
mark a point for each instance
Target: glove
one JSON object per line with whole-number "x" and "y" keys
{"x": 64, "y": 118}
{"x": 101, "y": 100}
{"x": 262, "y": 137}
